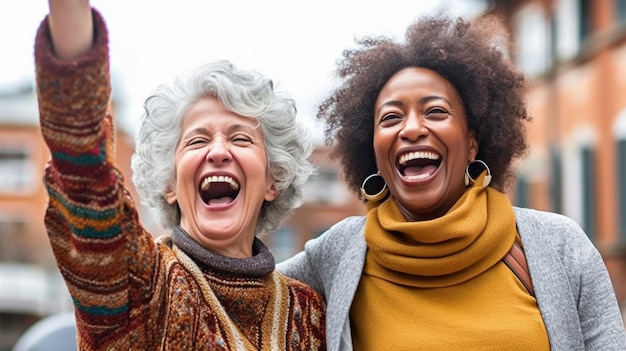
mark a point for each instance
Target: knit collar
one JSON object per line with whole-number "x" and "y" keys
{"x": 260, "y": 264}
{"x": 474, "y": 235}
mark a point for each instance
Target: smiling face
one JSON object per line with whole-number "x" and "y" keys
{"x": 221, "y": 178}
{"x": 421, "y": 142}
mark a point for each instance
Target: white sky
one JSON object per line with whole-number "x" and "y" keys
{"x": 295, "y": 43}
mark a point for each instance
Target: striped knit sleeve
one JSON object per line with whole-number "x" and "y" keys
{"x": 91, "y": 221}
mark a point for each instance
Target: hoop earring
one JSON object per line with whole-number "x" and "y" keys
{"x": 374, "y": 181}
{"x": 468, "y": 178}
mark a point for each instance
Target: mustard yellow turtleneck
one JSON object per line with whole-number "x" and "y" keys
{"x": 441, "y": 284}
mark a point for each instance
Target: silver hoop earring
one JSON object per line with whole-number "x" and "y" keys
{"x": 372, "y": 183}
{"x": 468, "y": 178}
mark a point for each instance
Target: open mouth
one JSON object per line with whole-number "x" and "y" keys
{"x": 419, "y": 164}
{"x": 216, "y": 190}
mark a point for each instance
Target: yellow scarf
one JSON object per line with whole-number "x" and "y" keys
{"x": 439, "y": 284}
{"x": 474, "y": 235}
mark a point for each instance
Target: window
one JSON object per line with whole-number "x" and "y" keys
{"x": 621, "y": 176}
{"x": 578, "y": 178}
{"x": 620, "y": 11}
{"x": 556, "y": 181}
{"x": 573, "y": 26}
{"x": 533, "y": 36}
{"x": 325, "y": 187}
{"x": 17, "y": 169}
{"x": 589, "y": 196}
{"x": 521, "y": 193}
{"x": 567, "y": 23}
{"x": 283, "y": 244}
{"x": 620, "y": 135}
{"x": 584, "y": 30}
{"x": 532, "y": 172}
{"x": 11, "y": 235}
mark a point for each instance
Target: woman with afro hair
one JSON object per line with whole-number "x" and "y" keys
{"x": 428, "y": 131}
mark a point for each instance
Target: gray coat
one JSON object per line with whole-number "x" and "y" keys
{"x": 572, "y": 285}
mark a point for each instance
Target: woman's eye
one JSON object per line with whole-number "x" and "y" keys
{"x": 389, "y": 117}
{"x": 196, "y": 141}
{"x": 437, "y": 111}
{"x": 241, "y": 140}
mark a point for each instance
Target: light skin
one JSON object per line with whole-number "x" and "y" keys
{"x": 214, "y": 142}
{"x": 71, "y": 28}
{"x": 422, "y": 143}
{"x": 218, "y": 142}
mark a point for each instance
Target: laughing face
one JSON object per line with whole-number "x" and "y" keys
{"x": 421, "y": 142}
{"x": 221, "y": 178}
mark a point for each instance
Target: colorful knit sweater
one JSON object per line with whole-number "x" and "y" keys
{"x": 130, "y": 292}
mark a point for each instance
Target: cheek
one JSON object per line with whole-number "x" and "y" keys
{"x": 379, "y": 151}
{"x": 382, "y": 142}
{"x": 462, "y": 153}
{"x": 191, "y": 157}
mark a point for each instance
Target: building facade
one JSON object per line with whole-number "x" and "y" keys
{"x": 30, "y": 284}
{"x": 574, "y": 52}
{"x": 326, "y": 202}
{"x": 31, "y": 287}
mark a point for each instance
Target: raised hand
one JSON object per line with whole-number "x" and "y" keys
{"x": 71, "y": 27}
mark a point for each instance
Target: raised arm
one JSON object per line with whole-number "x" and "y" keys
{"x": 107, "y": 259}
{"x": 71, "y": 28}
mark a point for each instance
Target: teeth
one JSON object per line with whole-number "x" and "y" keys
{"x": 418, "y": 154}
{"x": 418, "y": 176}
{"x": 219, "y": 179}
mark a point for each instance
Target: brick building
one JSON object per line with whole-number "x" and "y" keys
{"x": 326, "y": 202}
{"x": 30, "y": 285}
{"x": 575, "y": 53}
{"x": 573, "y": 50}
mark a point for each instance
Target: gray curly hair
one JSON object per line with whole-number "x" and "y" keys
{"x": 246, "y": 93}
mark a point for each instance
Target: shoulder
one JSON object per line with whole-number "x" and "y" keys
{"x": 551, "y": 237}
{"x": 344, "y": 235}
{"x": 548, "y": 226}
{"x": 301, "y": 291}
{"x": 346, "y": 229}
{"x": 530, "y": 216}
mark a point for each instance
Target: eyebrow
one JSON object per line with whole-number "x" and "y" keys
{"x": 239, "y": 126}
{"x": 232, "y": 128}
{"x": 425, "y": 99}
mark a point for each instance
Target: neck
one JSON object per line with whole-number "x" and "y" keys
{"x": 261, "y": 261}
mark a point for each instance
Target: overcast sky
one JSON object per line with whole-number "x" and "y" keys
{"x": 296, "y": 43}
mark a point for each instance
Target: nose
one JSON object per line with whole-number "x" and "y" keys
{"x": 219, "y": 151}
{"x": 414, "y": 127}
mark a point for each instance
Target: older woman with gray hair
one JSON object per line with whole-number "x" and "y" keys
{"x": 220, "y": 160}
{"x": 245, "y": 93}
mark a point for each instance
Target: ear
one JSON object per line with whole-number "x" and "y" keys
{"x": 271, "y": 193}
{"x": 170, "y": 195}
{"x": 473, "y": 145}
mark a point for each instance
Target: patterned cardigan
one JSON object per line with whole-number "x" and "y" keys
{"x": 130, "y": 292}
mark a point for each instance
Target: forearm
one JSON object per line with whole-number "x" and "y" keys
{"x": 91, "y": 220}
{"x": 73, "y": 99}
{"x": 106, "y": 257}
{"x": 71, "y": 28}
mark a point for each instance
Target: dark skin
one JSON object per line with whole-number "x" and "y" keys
{"x": 421, "y": 142}
{"x": 491, "y": 89}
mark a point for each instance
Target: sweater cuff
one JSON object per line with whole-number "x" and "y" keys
{"x": 79, "y": 87}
